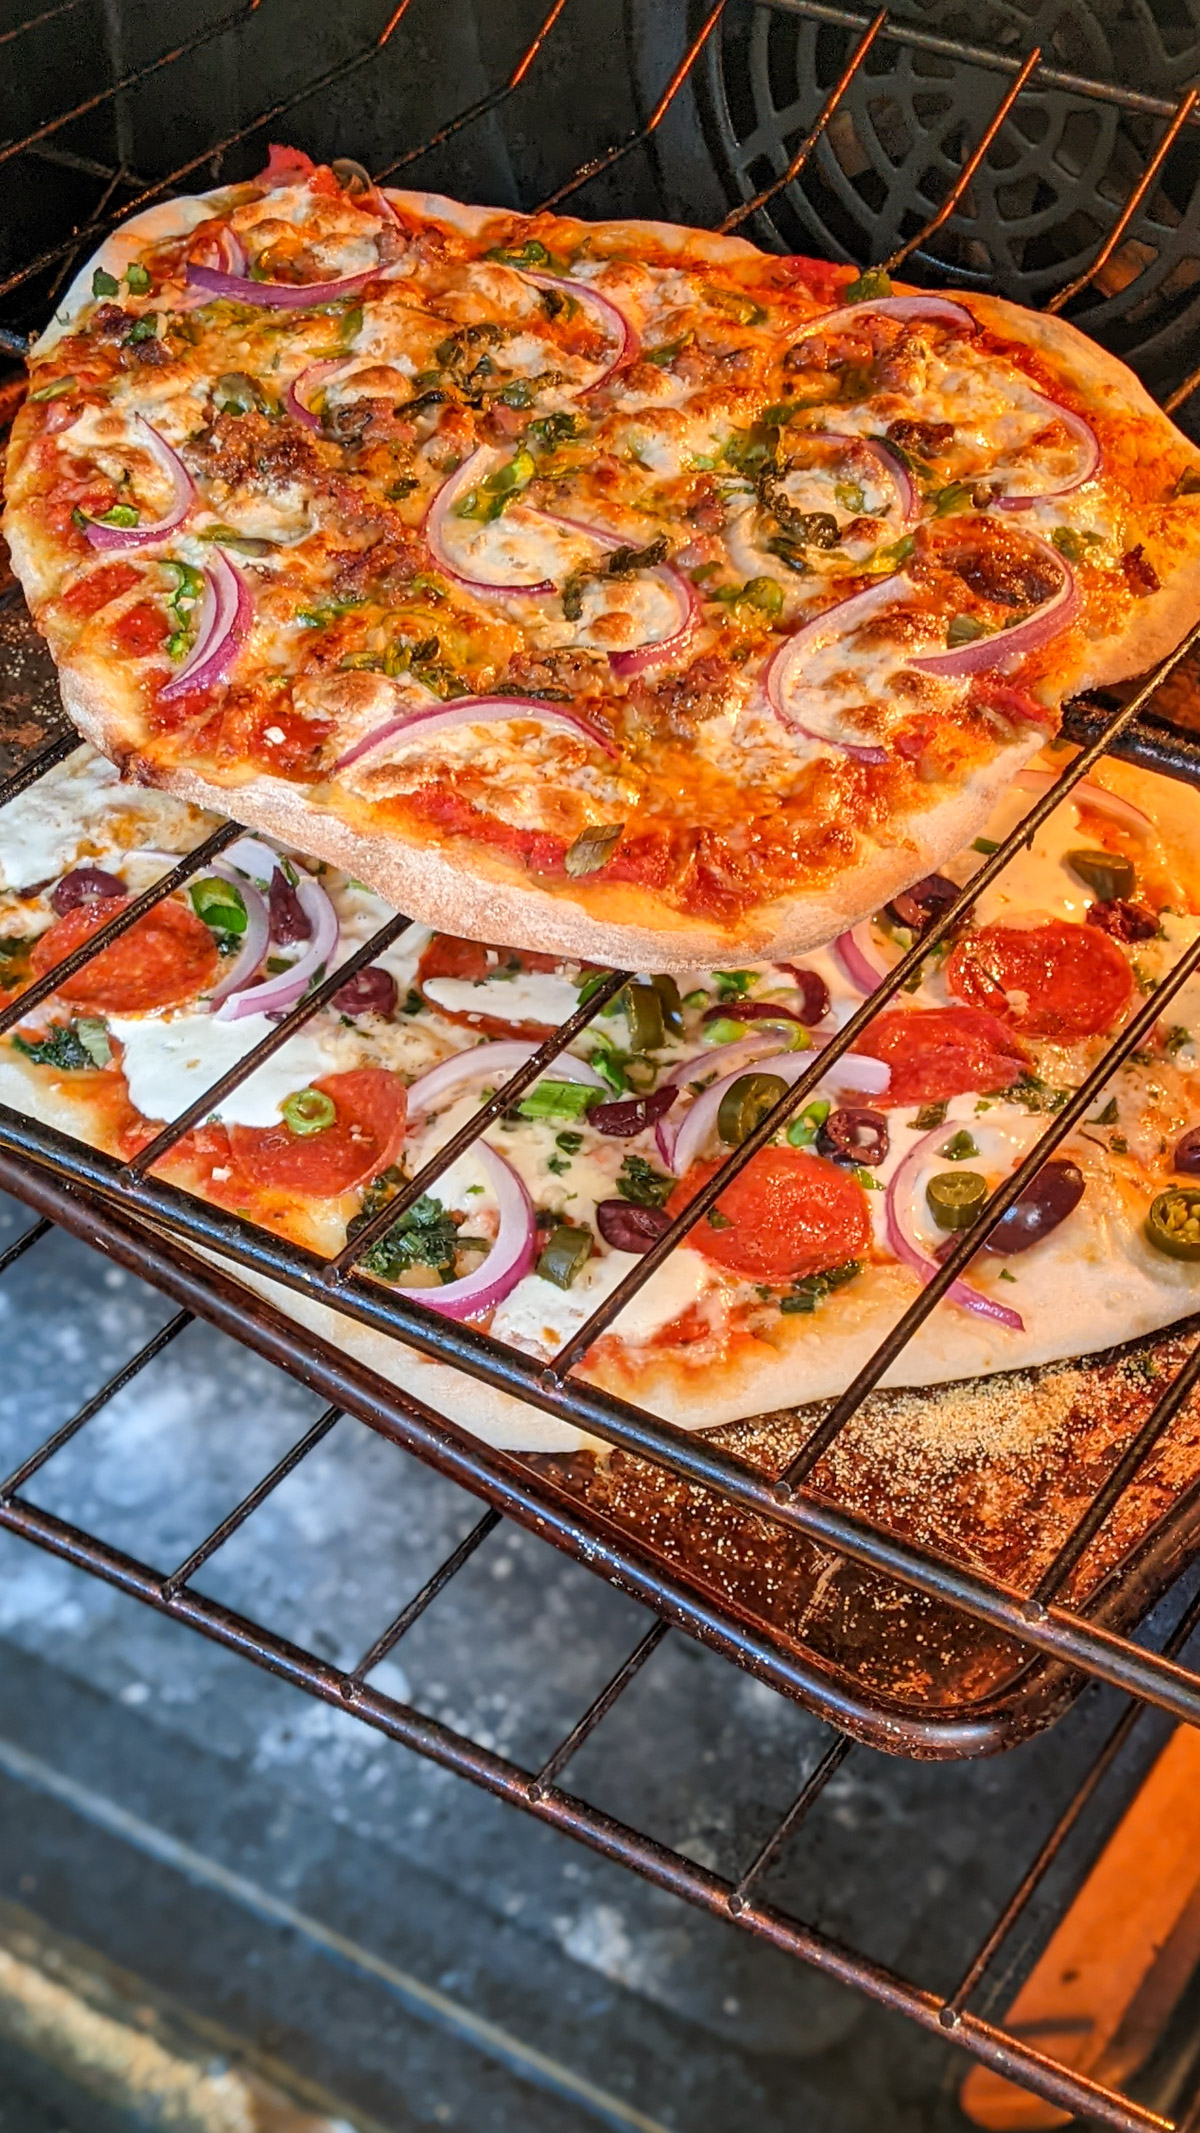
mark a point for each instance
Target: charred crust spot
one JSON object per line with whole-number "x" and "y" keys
{"x": 1140, "y": 574}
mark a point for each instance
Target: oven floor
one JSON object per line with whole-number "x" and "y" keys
{"x": 419, "y": 1952}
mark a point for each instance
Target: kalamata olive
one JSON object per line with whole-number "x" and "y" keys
{"x": 854, "y": 1136}
{"x": 632, "y": 1114}
{"x": 814, "y": 992}
{"x": 628, "y": 1228}
{"x": 1123, "y": 920}
{"x": 86, "y": 885}
{"x": 289, "y": 919}
{"x": 1047, "y": 1201}
{"x": 1186, "y": 1158}
{"x": 372, "y": 992}
{"x": 919, "y": 906}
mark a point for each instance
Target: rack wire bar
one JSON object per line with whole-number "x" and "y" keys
{"x": 599, "y": 1708}
{"x": 308, "y": 1005}
{"x": 229, "y": 1525}
{"x": 1183, "y": 113}
{"x": 233, "y": 20}
{"x": 191, "y": 863}
{"x": 483, "y": 105}
{"x": 593, "y": 169}
{"x": 108, "y": 1391}
{"x": 1053, "y": 1843}
{"x": 37, "y": 22}
{"x": 415, "y": 1608}
{"x": 972, "y": 164}
{"x": 1157, "y": 1422}
{"x": 1057, "y": 1631}
{"x": 19, "y": 781}
{"x": 980, "y": 55}
{"x": 93, "y": 1195}
{"x": 789, "y": 1822}
{"x": 574, "y": 1349}
{"x": 92, "y": 232}
{"x": 605, "y": 1834}
{"x": 738, "y": 215}
{"x": 468, "y": 1133}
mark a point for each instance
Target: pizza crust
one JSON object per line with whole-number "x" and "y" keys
{"x": 480, "y": 892}
{"x": 489, "y": 897}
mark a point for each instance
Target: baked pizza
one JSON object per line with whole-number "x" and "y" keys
{"x": 612, "y": 589}
{"x": 805, "y": 1262}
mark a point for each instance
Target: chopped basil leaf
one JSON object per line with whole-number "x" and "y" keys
{"x": 62, "y": 1047}
{"x": 592, "y": 849}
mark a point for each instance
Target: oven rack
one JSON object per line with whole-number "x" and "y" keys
{"x": 154, "y": 1228}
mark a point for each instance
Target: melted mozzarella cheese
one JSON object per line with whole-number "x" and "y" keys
{"x": 167, "y": 1063}
{"x": 539, "y": 996}
{"x": 539, "y": 1316}
{"x": 74, "y": 809}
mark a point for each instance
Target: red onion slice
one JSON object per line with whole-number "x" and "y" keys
{"x": 907, "y": 1246}
{"x": 478, "y": 711}
{"x": 472, "y": 471}
{"x": 255, "y": 940}
{"x": 316, "y": 375}
{"x": 1090, "y": 795}
{"x": 1005, "y": 647}
{"x": 510, "y": 1257}
{"x": 226, "y": 613}
{"x": 494, "y": 1063}
{"x": 697, "y": 1123}
{"x": 277, "y": 295}
{"x": 940, "y": 309}
{"x": 1091, "y": 455}
{"x": 907, "y": 494}
{"x": 859, "y": 957}
{"x": 814, "y": 636}
{"x": 283, "y": 990}
{"x": 183, "y": 496}
{"x": 618, "y": 327}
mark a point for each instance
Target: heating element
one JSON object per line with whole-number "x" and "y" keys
{"x": 160, "y": 1232}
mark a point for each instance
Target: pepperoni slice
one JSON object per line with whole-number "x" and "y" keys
{"x": 474, "y": 962}
{"x": 363, "y": 1139}
{"x": 163, "y": 961}
{"x": 1056, "y": 980}
{"x": 936, "y": 1052}
{"x": 786, "y": 1214}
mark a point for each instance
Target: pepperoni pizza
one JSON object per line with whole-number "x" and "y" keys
{"x": 807, "y": 1259}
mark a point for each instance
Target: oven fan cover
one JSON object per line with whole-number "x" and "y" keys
{"x": 1051, "y": 188}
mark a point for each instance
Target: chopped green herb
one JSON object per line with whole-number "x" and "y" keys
{"x": 960, "y": 1147}
{"x": 1107, "y": 1117}
{"x": 592, "y": 849}
{"x": 1005, "y": 1275}
{"x": 1175, "y": 1040}
{"x": 61, "y": 1047}
{"x": 105, "y": 284}
{"x": 488, "y": 501}
{"x": 424, "y": 1235}
{"x": 807, "y": 1293}
{"x": 929, "y": 1116}
{"x": 570, "y": 1143}
{"x": 1118, "y": 1143}
{"x": 956, "y": 496}
{"x": 640, "y": 1182}
{"x": 964, "y": 629}
{"x": 986, "y": 845}
{"x": 716, "y": 1220}
{"x": 1074, "y": 545}
{"x": 871, "y": 285}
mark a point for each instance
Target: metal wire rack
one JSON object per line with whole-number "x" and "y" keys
{"x": 159, "y": 1231}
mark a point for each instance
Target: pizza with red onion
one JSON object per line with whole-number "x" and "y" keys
{"x": 613, "y": 589}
